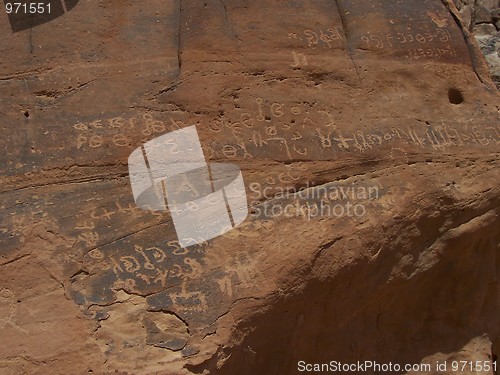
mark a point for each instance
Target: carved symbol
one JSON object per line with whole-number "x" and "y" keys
{"x": 299, "y": 59}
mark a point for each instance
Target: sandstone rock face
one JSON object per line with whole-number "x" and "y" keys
{"x": 368, "y": 137}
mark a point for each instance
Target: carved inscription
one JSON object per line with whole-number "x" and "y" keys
{"x": 317, "y": 38}
{"x": 120, "y": 131}
{"x": 426, "y": 43}
{"x": 152, "y": 265}
{"x": 293, "y": 131}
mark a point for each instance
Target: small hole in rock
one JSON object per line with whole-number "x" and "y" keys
{"x": 26, "y": 114}
{"x": 455, "y": 96}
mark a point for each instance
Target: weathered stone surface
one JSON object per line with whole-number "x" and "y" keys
{"x": 386, "y": 106}
{"x": 481, "y": 18}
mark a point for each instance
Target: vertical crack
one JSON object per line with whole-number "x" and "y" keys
{"x": 229, "y": 24}
{"x": 344, "y": 31}
{"x": 31, "y": 40}
{"x": 179, "y": 42}
{"x": 225, "y": 13}
{"x": 473, "y": 17}
{"x": 31, "y": 36}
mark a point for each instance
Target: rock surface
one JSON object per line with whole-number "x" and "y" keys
{"x": 482, "y": 18}
{"x": 384, "y": 111}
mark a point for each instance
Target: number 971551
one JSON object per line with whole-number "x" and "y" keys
{"x": 27, "y": 8}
